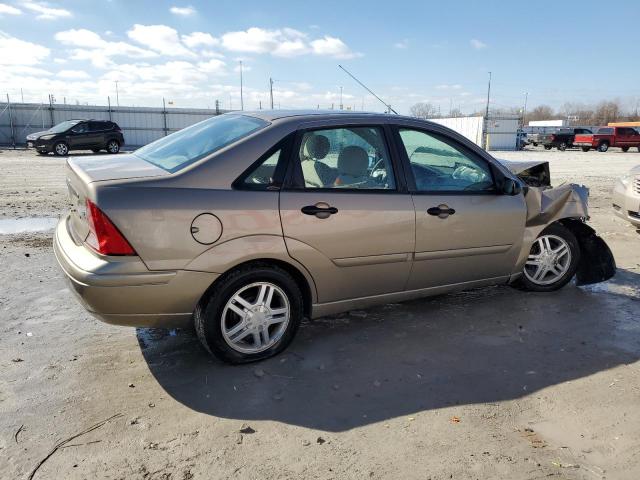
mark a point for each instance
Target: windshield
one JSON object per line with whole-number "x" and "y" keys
{"x": 64, "y": 126}
{"x": 190, "y": 144}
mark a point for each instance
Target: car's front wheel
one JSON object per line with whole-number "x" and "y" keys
{"x": 113, "y": 146}
{"x": 586, "y": 149}
{"x": 603, "y": 147}
{"x": 61, "y": 149}
{"x": 251, "y": 314}
{"x": 552, "y": 261}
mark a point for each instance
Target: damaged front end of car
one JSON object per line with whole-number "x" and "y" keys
{"x": 567, "y": 205}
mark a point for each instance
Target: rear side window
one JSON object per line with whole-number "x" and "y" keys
{"x": 605, "y": 131}
{"x": 180, "y": 149}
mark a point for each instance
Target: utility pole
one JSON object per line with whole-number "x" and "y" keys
{"x": 117, "y": 95}
{"x": 486, "y": 116}
{"x": 260, "y": 103}
{"x": 271, "y": 91}
{"x": 524, "y": 110}
{"x": 341, "y": 105}
{"x": 241, "y": 94}
{"x": 22, "y": 96}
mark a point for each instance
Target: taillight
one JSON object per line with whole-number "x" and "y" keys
{"x": 104, "y": 237}
{"x": 553, "y": 138}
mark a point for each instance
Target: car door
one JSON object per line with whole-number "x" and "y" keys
{"x": 346, "y": 215}
{"x": 466, "y": 230}
{"x": 79, "y": 135}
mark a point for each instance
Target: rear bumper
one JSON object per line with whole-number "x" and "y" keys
{"x": 626, "y": 203}
{"x": 122, "y": 291}
{"x": 583, "y": 144}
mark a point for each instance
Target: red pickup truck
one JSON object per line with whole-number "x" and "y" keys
{"x": 605, "y": 137}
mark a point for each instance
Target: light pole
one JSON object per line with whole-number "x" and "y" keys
{"x": 117, "y": 96}
{"x": 524, "y": 110}
{"x": 271, "y": 91}
{"x": 486, "y": 116}
{"x": 241, "y": 94}
{"x": 341, "y": 106}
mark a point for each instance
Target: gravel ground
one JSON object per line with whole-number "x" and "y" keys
{"x": 491, "y": 383}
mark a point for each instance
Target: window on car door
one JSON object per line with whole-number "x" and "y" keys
{"x": 439, "y": 166}
{"x": 466, "y": 231}
{"x": 346, "y": 158}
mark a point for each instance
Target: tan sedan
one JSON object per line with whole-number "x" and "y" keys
{"x": 243, "y": 224}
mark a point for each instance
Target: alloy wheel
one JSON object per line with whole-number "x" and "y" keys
{"x": 255, "y": 318}
{"x": 113, "y": 146}
{"x": 548, "y": 261}
{"x": 62, "y": 149}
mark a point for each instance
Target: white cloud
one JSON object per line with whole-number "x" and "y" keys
{"x": 92, "y": 47}
{"x": 402, "y": 44}
{"x": 46, "y": 11}
{"x": 9, "y": 10}
{"x": 213, "y": 66}
{"x": 73, "y": 74}
{"x": 477, "y": 44}
{"x": 332, "y": 46}
{"x": 285, "y": 42}
{"x": 60, "y": 60}
{"x": 14, "y": 51}
{"x": 446, "y": 86}
{"x": 197, "y": 39}
{"x": 183, "y": 11}
{"x": 26, "y": 70}
{"x": 160, "y": 38}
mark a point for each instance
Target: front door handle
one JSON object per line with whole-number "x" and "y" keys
{"x": 441, "y": 211}
{"x": 320, "y": 210}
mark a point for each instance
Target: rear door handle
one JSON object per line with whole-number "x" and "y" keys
{"x": 320, "y": 210}
{"x": 442, "y": 211}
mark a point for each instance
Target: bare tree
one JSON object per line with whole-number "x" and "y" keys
{"x": 423, "y": 110}
{"x": 541, "y": 112}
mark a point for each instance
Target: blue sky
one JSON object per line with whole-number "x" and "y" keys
{"x": 406, "y": 51}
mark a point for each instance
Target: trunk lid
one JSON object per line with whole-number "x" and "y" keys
{"x": 82, "y": 172}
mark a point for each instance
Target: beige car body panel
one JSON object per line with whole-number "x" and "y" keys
{"x": 626, "y": 197}
{"x": 379, "y": 248}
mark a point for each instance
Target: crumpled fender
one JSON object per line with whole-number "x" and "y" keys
{"x": 596, "y": 259}
{"x": 567, "y": 204}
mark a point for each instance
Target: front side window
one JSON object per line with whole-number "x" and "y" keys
{"x": 64, "y": 126}
{"x": 81, "y": 128}
{"x": 182, "y": 148}
{"x": 346, "y": 158}
{"x": 438, "y": 166}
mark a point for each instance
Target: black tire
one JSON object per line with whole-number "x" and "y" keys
{"x": 95, "y": 150}
{"x": 625, "y": 149}
{"x": 535, "y": 144}
{"x": 567, "y": 235}
{"x": 547, "y": 147}
{"x": 207, "y": 316}
{"x": 562, "y": 146}
{"x": 43, "y": 153}
{"x": 586, "y": 149}
{"x": 603, "y": 147}
{"x": 113, "y": 146}
{"x": 61, "y": 149}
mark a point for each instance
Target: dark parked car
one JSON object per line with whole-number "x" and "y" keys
{"x": 562, "y": 138}
{"x": 92, "y": 135}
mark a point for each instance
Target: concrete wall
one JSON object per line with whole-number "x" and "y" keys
{"x": 140, "y": 125}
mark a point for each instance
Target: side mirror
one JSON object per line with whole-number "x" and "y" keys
{"x": 511, "y": 187}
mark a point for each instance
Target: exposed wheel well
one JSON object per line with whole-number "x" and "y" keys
{"x": 299, "y": 278}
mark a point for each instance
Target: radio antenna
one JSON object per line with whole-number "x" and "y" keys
{"x": 368, "y": 89}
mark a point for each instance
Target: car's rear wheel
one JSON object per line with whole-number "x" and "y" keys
{"x": 547, "y": 147}
{"x": 251, "y": 314}
{"x": 603, "y": 147}
{"x": 61, "y": 149}
{"x": 625, "y": 149}
{"x": 552, "y": 261}
{"x": 95, "y": 150}
{"x": 586, "y": 149}
{"x": 562, "y": 146}
{"x": 113, "y": 146}
{"x": 42, "y": 153}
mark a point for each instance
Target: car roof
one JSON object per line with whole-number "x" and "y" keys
{"x": 273, "y": 115}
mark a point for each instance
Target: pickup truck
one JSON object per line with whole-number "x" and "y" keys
{"x": 606, "y": 137}
{"x": 562, "y": 138}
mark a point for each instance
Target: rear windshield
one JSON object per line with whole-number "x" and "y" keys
{"x": 64, "y": 126}
{"x": 190, "y": 144}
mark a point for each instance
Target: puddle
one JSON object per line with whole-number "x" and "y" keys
{"x": 11, "y": 226}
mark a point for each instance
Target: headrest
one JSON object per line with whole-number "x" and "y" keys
{"x": 316, "y": 146}
{"x": 353, "y": 161}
